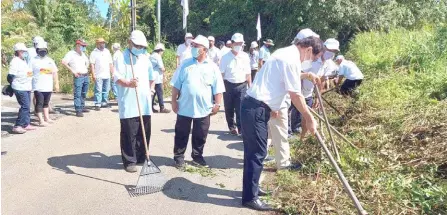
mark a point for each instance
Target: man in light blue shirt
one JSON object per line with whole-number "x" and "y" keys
{"x": 198, "y": 80}
{"x": 132, "y": 144}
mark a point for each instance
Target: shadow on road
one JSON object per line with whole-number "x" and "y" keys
{"x": 224, "y": 162}
{"x": 183, "y": 189}
{"x": 9, "y": 120}
{"x": 221, "y": 135}
{"x": 237, "y": 146}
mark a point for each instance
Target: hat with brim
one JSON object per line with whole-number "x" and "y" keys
{"x": 137, "y": 37}
{"x": 81, "y": 42}
{"x": 253, "y": 45}
{"x": 42, "y": 45}
{"x": 20, "y": 47}
{"x": 202, "y": 40}
{"x": 332, "y": 44}
{"x": 100, "y": 40}
{"x": 340, "y": 57}
{"x": 160, "y": 46}
{"x": 269, "y": 42}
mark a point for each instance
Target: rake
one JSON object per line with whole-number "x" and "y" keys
{"x": 150, "y": 180}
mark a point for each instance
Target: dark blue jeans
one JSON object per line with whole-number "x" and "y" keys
{"x": 23, "y": 98}
{"x": 80, "y": 91}
{"x": 295, "y": 116}
{"x": 233, "y": 95}
{"x": 254, "y": 117}
{"x": 159, "y": 94}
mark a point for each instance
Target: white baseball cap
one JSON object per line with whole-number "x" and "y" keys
{"x": 332, "y": 44}
{"x": 37, "y": 39}
{"x": 305, "y": 33}
{"x": 138, "y": 38}
{"x": 253, "y": 44}
{"x": 228, "y": 42}
{"x": 211, "y": 38}
{"x": 116, "y": 46}
{"x": 160, "y": 46}
{"x": 340, "y": 57}
{"x": 188, "y": 35}
{"x": 238, "y": 38}
{"x": 20, "y": 47}
{"x": 42, "y": 45}
{"x": 202, "y": 40}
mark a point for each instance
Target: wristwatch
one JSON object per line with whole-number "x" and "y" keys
{"x": 216, "y": 104}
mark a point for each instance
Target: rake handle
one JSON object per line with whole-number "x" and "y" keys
{"x": 143, "y": 130}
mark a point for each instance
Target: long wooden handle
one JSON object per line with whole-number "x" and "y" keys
{"x": 139, "y": 110}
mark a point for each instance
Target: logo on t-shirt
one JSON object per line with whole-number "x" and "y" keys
{"x": 45, "y": 71}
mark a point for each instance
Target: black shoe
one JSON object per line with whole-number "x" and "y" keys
{"x": 179, "y": 163}
{"x": 130, "y": 168}
{"x": 97, "y": 108}
{"x": 292, "y": 167}
{"x": 85, "y": 110}
{"x": 154, "y": 110}
{"x": 105, "y": 106}
{"x": 257, "y": 205}
{"x": 79, "y": 114}
{"x": 262, "y": 192}
{"x": 199, "y": 162}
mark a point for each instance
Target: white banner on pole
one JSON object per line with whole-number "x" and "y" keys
{"x": 258, "y": 27}
{"x": 185, "y": 12}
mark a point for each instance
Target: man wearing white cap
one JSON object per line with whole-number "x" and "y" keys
{"x": 159, "y": 69}
{"x": 254, "y": 58}
{"x": 236, "y": 73}
{"x": 116, "y": 55}
{"x": 198, "y": 81}
{"x": 354, "y": 77}
{"x": 213, "y": 52}
{"x": 101, "y": 63}
{"x": 20, "y": 77}
{"x": 278, "y": 77}
{"x": 264, "y": 52}
{"x": 184, "y": 49}
{"x": 131, "y": 140}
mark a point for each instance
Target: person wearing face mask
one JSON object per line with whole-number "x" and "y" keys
{"x": 101, "y": 64}
{"x": 213, "y": 52}
{"x": 131, "y": 137}
{"x": 354, "y": 77}
{"x": 329, "y": 67}
{"x": 254, "y": 59}
{"x": 184, "y": 49}
{"x": 264, "y": 52}
{"x": 76, "y": 61}
{"x": 32, "y": 50}
{"x": 45, "y": 79}
{"x": 20, "y": 77}
{"x": 236, "y": 73}
{"x": 198, "y": 82}
{"x": 278, "y": 77}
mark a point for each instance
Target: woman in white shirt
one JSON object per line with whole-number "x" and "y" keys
{"x": 20, "y": 77}
{"x": 44, "y": 76}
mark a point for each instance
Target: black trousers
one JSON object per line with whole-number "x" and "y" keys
{"x": 42, "y": 100}
{"x": 349, "y": 85}
{"x": 254, "y": 115}
{"x": 159, "y": 94}
{"x": 131, "y": 141}
{"x": 253, "y": 74}
{"x": 232, "y": 101}
{"x": 200, "y": 130}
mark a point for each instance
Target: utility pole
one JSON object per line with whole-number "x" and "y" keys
{"x": 133, "y": 15}
{"x": 159, "y": 20}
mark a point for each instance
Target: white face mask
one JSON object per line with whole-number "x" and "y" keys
{"x": 237, "y": 48}
{"x": 306, "y": 65}
{"x": 328, "y": 55}
{"x": 188, "y": 42}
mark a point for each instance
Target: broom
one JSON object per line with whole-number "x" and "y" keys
{"x": 150, "y": 180}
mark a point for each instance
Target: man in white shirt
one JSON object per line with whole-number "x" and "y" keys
{"x": 102, "y": 68}
{"x": 184, "y": 49}
{"x": 264, "y": 52}
{"x": 235, "y": 69}
{"x": 116, "y": 55}
{"x": 347, "y": 69}
{"x": 254, "y": 58}
{"x": 76, "y": 61}
{"x": 213, "y": 52}
{"x": 159, "y": 70}
{"x": 226, "y": 48}
{"x": 279, "y": 76}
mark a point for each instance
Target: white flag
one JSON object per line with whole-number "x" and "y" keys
{"x": 258, "y": 27}
{"x": 185, "y": 12}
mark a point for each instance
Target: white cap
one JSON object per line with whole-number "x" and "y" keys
{"x": 340, "y": 57}
{"x": 20, "y": 47}
{"x": 228, "y": 42}
{"x": 253, "y": 44}
{"x": 116, "y": 46}
{"x": 238, "y": 38}
{"x": 138, "y": 38}
{"x": 37, "y": 39}
{"x": 42, "y": 45}
{"x": 188, "y": 35}
{"x": 201, "y": 40}
{"x": 305, "y": 33}
{"x": 211, "y": 38}
{"x": 332, "y": 44}
{"x": 159, "y": 46}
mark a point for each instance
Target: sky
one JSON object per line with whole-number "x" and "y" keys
{"x": 103, "y": 7}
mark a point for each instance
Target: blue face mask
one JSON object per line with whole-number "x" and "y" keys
{"x": 195, "y": 52}
{"x": 82, "y": 48}
{"x": 136, "y": 51}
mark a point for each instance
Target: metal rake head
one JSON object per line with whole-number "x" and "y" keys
{"x": 151, "y": 180}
